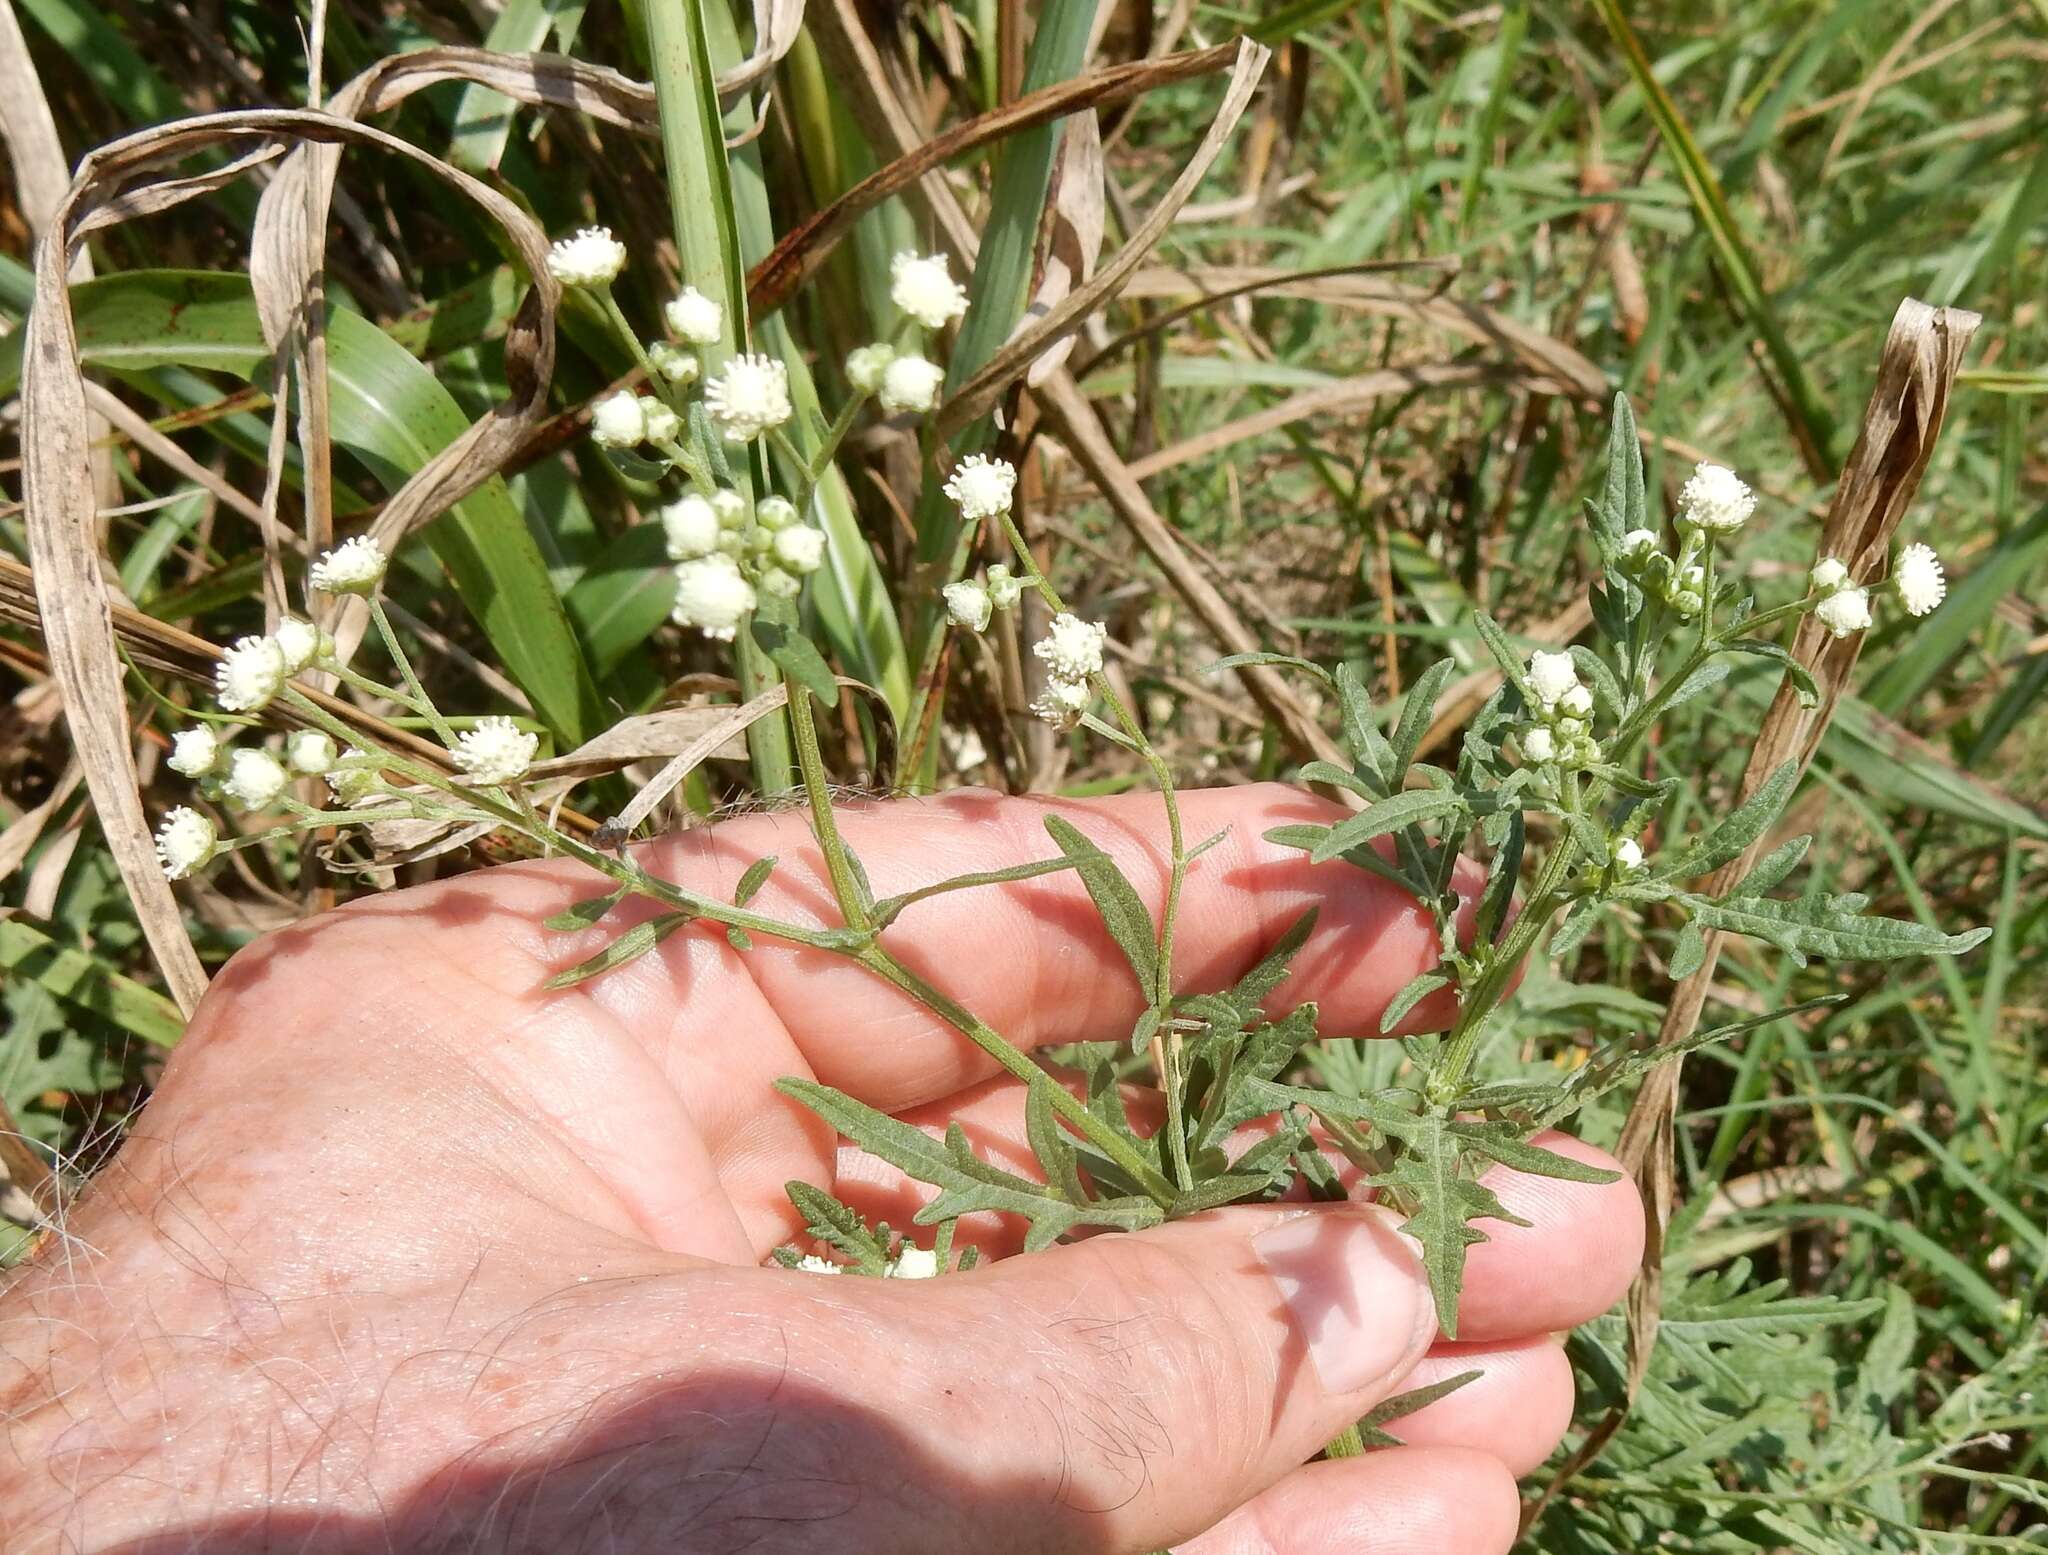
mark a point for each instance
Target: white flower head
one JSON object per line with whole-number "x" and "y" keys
{"x": 659, "y": 424}
{"x": 783, "y": 585}
{"x": 923, "y": 288}
{"x": 355, "y": 566}
{"x": 811, "y": 1263}
{"x": 968, "y": 604}
{"x": 911, "y": 384}
{"x": 695, "y": 317}
{"x": 194, "y": 751}
{"x": 299, "y": 642}
{"x": 1539, "y": 745}
{"x": 1628, "y": 854}
{"x": 1576, "y": 703}
{"x": 691, "y": 526}
{"x": 1918, "y": 578}
{"x": 593, "y": 257}
{"x": 1845, "y": 612}
{"x": 673, "y": 363}
{"x": 254, "y": 778}
{"x": 748, "y": 397}
{"x": 1715, "y": 499}
{"x": 618, "y": 420}
{"x": 731, "y": 509}
{"x": 1828, "y": 575}
{"x": 775, "y": 513}
{"x": 801, "y": 550}
{"x": 1551, "y": 675}
{"x": 1004, "y": 590}
{"x": 1062, "y": 702}
{"x": 309, "y": 751}
{"x": 866, "y": 365}
{"x": 1072, "y": 648}
{"x": 495, "y": 751}
{"x": 184, "y": 841}
{"x": 1638, "y": 543}
{"x": 249, "y": 674}
{"x": 712, "y": 596}
{"x": 913, "y": 1263}
{"x": 982, "y": 487}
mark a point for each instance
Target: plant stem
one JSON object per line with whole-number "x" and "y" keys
{"x": 420, "y": 702}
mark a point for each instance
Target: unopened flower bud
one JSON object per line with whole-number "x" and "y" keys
{"x": 968, "y": 604}
{"x": 865, "y": 366}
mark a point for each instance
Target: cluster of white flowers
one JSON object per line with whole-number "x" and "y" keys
{"x": 1071, "y": 652}
{"x": 726, "y": 557}
{"x": 1713, "y": 501}
{"x": 749, "y": 397}
{"x": 1844, "y": 608}
{"x": 248, "y": 777}
{"x": 1560, "y": 731}
{"x": 495, "y": 751}
{"x": 910, "y": 1263}
{"x": 905, "y": 382}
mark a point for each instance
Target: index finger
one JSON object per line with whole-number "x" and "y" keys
{"x": 1032, "y": 958}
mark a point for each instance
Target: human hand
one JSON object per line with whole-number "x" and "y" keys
{"x": 408, "y": 1254}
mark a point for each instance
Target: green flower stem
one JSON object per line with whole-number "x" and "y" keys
{"x": 813, "y": 469}
{"x": 1013, "y": 1059}
{"x": 417, "y": 693}
{"x": 853, "y": 902}
{"x": 625, "y": 331}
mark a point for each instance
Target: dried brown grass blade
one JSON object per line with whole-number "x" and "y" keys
{"x": 1922, "y": 355}
{"x": 975, "y": 397}
{"x": 1348, "y": 394}
{"x": 1074, "y": 241}
{"x": 805, "y": 247}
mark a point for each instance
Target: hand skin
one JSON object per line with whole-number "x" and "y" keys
{"x": 408, "y": 1255}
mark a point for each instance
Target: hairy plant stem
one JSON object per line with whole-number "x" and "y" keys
{"x": 421, "y": 703}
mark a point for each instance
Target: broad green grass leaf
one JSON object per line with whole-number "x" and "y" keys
{"x": 82, "y": 979}
{"x": 388, "y": 411}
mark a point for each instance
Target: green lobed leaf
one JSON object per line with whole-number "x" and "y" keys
{"x": 1372, "y": 1428}
{"x": 1116, "y": 899}
{"x": 837, "y": 1224}
{"x": 1828, "y": 926}
{"x": 1428, "y": 1174}
{"x": 1737, "y": 830}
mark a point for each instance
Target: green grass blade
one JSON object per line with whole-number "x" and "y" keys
{"x": 88, "y": 982}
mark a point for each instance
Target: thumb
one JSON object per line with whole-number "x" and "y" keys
{"x": 1154, "y": 1382}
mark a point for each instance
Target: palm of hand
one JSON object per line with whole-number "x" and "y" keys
{"x": 407, "y": 1253}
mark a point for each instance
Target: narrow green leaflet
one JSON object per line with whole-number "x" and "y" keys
{"x": 1416, "y": 710}
{"x": 890, "y": 908}
{"x": 755, "y": 877}
{"x": 1362, "y": 735}
{"x": 1407, "y": 808}
{"x": 583, "y": 914}
{"x": 1116, "y": 899}
{"x": 1052, "y": 1145}
{"x": 1830, "y": 926}
{"x": 1417, "y": 990}
{"x": 1372, "y": 1428}
{"x": 783, "y": 640}
{"x": 1237, "y": 661}
{"x": 1738, "y": 830}
{"x": 629, "y": 946}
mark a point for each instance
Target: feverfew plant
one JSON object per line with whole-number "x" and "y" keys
{"x": 1547, "y": 790}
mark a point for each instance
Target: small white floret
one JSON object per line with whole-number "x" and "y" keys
{"x": 775, "y": 513}
{"x": 923, "y": 288}
{"x": 1844, "y": 613}
{"x": 184, "y": 841}
{"x": 712, "y": 596}
{"x": 695, "y": 317}
{"x": 1828, "y": 575}
{"x": 981, "y": 487}
{"x": 618, "y": 421}
{"x": 194, "y": 751}
{"x": 1714, "y": 498}
{"x": 1628, "y": 855}
{"x": 914, "y": 1263}
{"x": 1061, "y": 703}
{"x": 254, "y": 779}
{"x": 1576, "y": 703}
{"x": 1004, "y": 590}
{"x": 690, "y": 525}
{"x": 309, "y": 751}
{"x": 968, "y": 604}
{"x": 353, "y": 567}
{"x": 672, "y": 363}
{"x": 593, "y": 257}
{"x": 866, "y": 365}
{"x": 801, "y": 550}
{"x": 1539, "y": 745}
{"x": 748, "y": 397}
{"x": 1551, "y": 675}
{"x": 911, "y": 384}
{"x": 298, "y": 641}
{"x": 1639, "y": 543}
{"x": 249, "y": 674}
{"x": 658, "y": 423}
{"x": 1918, "y": 578}
{"x": 1072, "y": 648}
{"x": 811, "y": 1263}
{"x": 495, "y": 751}
{"x": 355, "y": 781}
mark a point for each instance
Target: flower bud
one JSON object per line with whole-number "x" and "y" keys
{"x": 618, "y": 421}
{"x": 968, "y": 604}
{"x": 865, "y": 366}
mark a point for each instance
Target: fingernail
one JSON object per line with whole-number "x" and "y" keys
{"x": 1355, "y": 1293}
